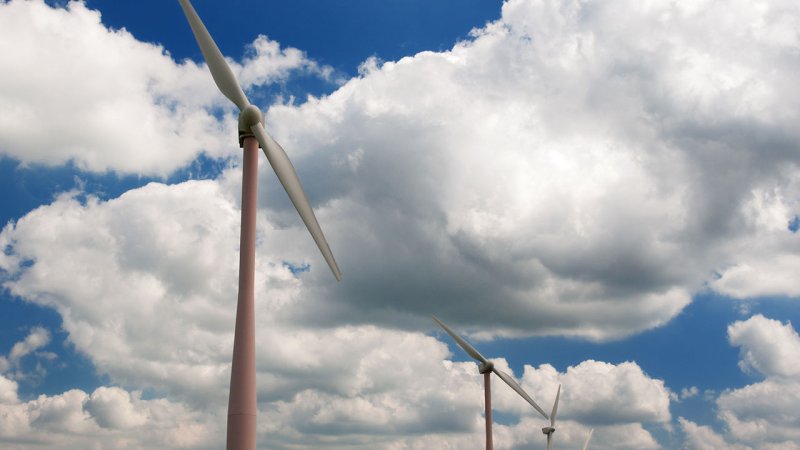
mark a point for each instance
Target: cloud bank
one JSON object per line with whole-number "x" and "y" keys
{"x": 551, "y": 175}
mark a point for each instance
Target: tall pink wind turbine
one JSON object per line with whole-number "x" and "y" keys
{"x": 486, "y": 367}
{"x": 241, "y": 432}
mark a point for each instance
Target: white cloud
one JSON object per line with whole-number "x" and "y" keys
{"x": 12, "y": 365}
{"x": 689, "y": 392}
{"x": 269, "y": 63}
{"x": 36, "y": 339}
{"x": 8, "y": 390}
{"x": 699, "y": 437}
{"x": 597, "y": 393}
{"x": 577, "y": 168}
{"x": 78, "y": 91}
{"x": 767, "y": 346}
{"x": 148, "y": 296}
{"x": 108, "y": 418}
{"x": 585, "y": 181}
{"x": 113, "y": 408}
{"x": 765, "y": 414}
{"x": 551, "y": 163}
{"x": 155, "y": 266}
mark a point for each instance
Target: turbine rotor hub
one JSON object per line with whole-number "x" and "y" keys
{"x": 548, "y": 430}
{"x": 248, "y": 117}
{"x": 485, "y": 367}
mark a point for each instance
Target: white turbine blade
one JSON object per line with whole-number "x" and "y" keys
{"x": 586, "y": 444}
{"x": 291, "y": 183}
{"x": 462, "y": 343}
{"x": 220, "y": 71}
{"x": 555, "y": 408}
{"x": 510, "y": 381}
{"x": 550, "y": 441}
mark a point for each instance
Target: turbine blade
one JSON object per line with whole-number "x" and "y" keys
{"x": 462, "y": 343}
{"x": 510, "y": 381}
{"x": 291, "y": 183}
{"x": 550, "y": 441}
{"x": 555, "y": 408}
{"x": 220, "y": 71}
{"x": 586, "y": 444}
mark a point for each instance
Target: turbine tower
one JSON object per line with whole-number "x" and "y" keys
{"x": 486, "y": 368}
{"x": 241, "y": 427}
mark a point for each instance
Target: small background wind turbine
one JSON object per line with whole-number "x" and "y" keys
{"x": 486, "y": 368}
{"x": 241, "y": 429}
{"x": 586, "y": 443}
{"x": 548, "y": 431}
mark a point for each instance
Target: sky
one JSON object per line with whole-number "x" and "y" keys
{"x": 599, "y": 194}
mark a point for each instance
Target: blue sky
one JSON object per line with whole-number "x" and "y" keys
{"x": 599, "y": 194}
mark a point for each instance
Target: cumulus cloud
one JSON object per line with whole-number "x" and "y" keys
{"x": 767, "y": 346}
{"x": 80, "y": 92}
{"x": 107, "y": 418}
{"x": 8, "y": 390}
{"x": 13, "y": 366}
{"x": 152, "y": 307}
{"x": 766, "y": 412}
{"x": 131, "y": 264}
{"x": 550, "y": 175}
{"x": 762, "y": 415}
{"x": 700, "y": 437}
{"x": 556, "y": 176}
{"x": 587, "y": 183}
{"x": 601, "y": 394}
{"x": 38, "y": 338}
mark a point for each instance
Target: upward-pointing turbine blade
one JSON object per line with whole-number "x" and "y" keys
{"x": 586, "y": 444}
{"x": 291, "y": 183}
{"x": 510, "y": 381}
{"x": 220, "y": 71}
{"x": 555, "y": 408}
{"x": 461, "y": 342}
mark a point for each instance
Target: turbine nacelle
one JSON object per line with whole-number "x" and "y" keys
{"x": 486, "y": 366}
{"x": 548, "y": 430}
{"x": 249, "y": 116}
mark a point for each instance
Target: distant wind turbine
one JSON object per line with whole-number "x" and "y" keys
{"x": 586, "y": 443}
{"x": 552, "y": 428}
{"x": 486, "y": 368}
{"x": 241, "y": 428}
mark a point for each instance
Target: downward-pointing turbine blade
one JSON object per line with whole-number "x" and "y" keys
{"x": 510, "y": 381}
{"x": 291, "y": 183}
{"x": 220, "y": 71}
{"x": 555, "y": 408}
{"x": 550, "y": 441}
{"x": 586, "y": 444}
{"x": 461, "y": 342}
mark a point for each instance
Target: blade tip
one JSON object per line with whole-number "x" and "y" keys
{"x": 335, "y": 270}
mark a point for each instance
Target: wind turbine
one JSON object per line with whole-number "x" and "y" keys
{"x": 486, "y": 368}
{"x": 241, "y": 428}
{"x": 586, "y": 443}
{"x": 552, "y": 428}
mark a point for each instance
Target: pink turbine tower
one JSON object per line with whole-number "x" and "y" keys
{"x": 241, "y": 434}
